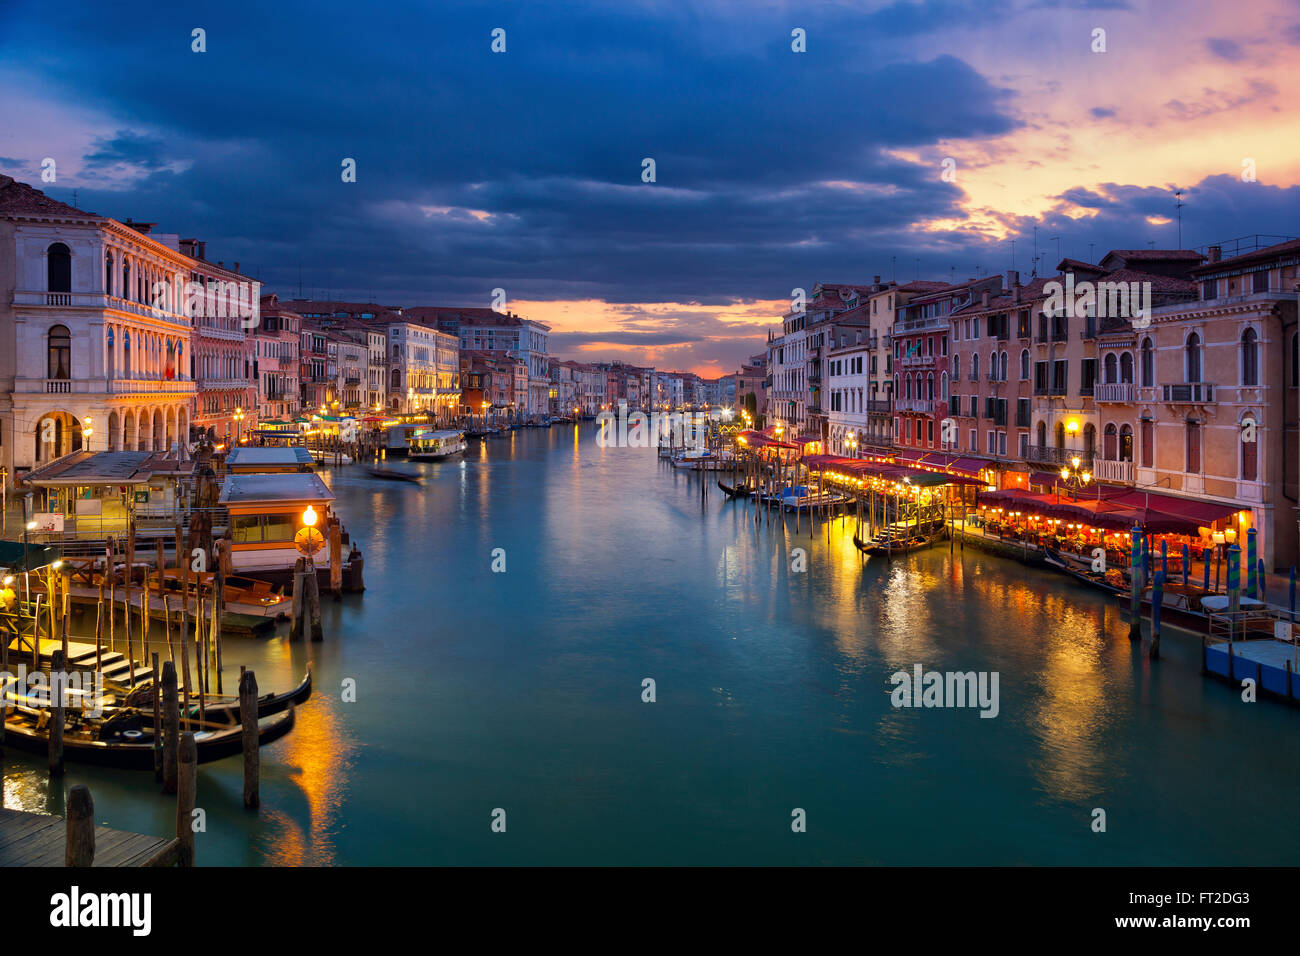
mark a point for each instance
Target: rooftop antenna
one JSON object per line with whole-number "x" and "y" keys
{"x": 74, "y": 200}
{"x": 1178, "y": 204}
{"x": 300, "y": 280}
{"x": 1035, "y": 269}
{"x": 1090, "y": 245}
{"x": 1057, "y": 240}
{"x": 893, "y": 267}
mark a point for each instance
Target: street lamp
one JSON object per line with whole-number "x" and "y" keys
{"x": 1075, "y": 478}
{"x": 86, "y": 431}
{"x": 239, "y": 424}
{"x": 852, "y": 442}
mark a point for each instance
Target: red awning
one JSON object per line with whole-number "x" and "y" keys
{"x": 1203, "y": 513}
{"x": 971, "y": 466}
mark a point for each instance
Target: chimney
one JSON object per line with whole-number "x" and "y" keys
{"x": 1216, "y": 253}
{"x": 236, "y": 266}
{"x": 221, "y": 263}
{"x": 875, "y": 280}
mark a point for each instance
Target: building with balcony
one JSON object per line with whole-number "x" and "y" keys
{"x": 224, "y": 309}
{"x": 94, "y": 334}
{"x": 277, "y": 368}
{"x": 1211, "y": 409}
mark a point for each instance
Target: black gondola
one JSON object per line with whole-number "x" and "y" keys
{"x": 736, "y": 491}
{"x": 126, "y": 742}
{"x": 390, "y": 474}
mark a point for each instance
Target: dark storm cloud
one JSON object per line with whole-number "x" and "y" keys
{"x": 522, "y": 170}
{"x": 1226, "y": 49}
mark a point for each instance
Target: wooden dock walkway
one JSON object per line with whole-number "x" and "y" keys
{"x": 38, "y": 839}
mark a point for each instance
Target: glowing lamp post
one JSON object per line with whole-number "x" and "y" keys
{"x": 308, "y": 540}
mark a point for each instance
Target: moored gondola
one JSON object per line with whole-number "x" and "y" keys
{"x": 736, "y": 491}
{"x": 126, "y": 742}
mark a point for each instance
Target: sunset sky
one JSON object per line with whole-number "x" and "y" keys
{"x": 775, "y": 169}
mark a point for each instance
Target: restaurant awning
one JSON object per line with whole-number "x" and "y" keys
{"x": 1204, "y": 513}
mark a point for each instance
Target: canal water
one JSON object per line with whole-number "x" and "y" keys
{"x": 521, "y": 690}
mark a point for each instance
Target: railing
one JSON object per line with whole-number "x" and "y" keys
{"x": 1188, "y": 392}
{"x": 1051, "y": 455}
{"x": 1122, "y": 392}
{"x": 131, "y": 386}
{"x": 879, "y": 405}
{"x": 922, "y": 405}
{"x": 911, "y": 361}
{"x": 58, "y": 385}
{"x": 215, "y": 383}
{"x": 97, "y": 300}
{"x": 1121, "y": 471}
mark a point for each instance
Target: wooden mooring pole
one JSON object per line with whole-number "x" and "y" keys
{"x": 187, "y": 784}
{"x": 80, "y": 850}
{"x": 58, "y": 665}
{"x": 248, "y": 719}
{"x": 171, "y": 727}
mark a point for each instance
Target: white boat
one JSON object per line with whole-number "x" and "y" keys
{"x": 431, "y": 445}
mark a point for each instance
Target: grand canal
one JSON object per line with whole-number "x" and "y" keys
{"x": 522, "y": 690}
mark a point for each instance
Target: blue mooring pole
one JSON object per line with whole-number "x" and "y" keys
{"x": 1157, "y": 599}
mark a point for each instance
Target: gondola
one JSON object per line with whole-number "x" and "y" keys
{"x": 223, "y": 710}
{"x": 390, "y": 474}
{"x": 126, "y": 742}
{"x": 736, "y": 491}
{"x": 901, "y": 544}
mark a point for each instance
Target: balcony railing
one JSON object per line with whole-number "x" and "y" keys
{"x": 97, "y": 300}
{"x": 1122, "y": 392}
{"x": 1051, "y": 455}
{"x": 58, "y": 385}
{"x": 1188, "y": 393}
{"x": 924, "y": 406}
{"x": 134, "y": 386}
{"x": 879, "y": 406}
{"x": 1120, "y": 471}
{"x": 912, "y": 361}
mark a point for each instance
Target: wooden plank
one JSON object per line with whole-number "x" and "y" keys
{"x": 38, "y": 839}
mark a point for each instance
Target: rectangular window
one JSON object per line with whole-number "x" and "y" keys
{"x": 929, "y": 431}
{"x": 1194, "y": 447}
{"x": 1209, "y": 289}
{"x": 992, "y": 443}
{"x": 1088, "y": 376}
{"x": 1040, "y": 378}
{"x": 1002, "y": 443}
{"x": 246, "y": 529}
{"x": 1059, "y": 376}
{"x": 1260, "y": 281}
{"x": 1022, "y": 413}
{"x": 1024, "y": 444}
{"x": 974, "y": 440}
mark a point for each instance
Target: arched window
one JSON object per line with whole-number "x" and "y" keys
{"x": 126, "y": 353}
{"x": 397, "y": 378}
{"x": 1148, "y": 363}
{"x": 126, "y": 280}
{"x": 1249, "y": 357}
{"x": 993, "y": 366}
{"x": 58, "y": 266}
{"x": 929, "y": 386}
{"x": 1024, "y": 365}
{"x": 1126, "y": 443}
{"x": 1089, "y": 440}
{"x": 108, "y": 273}
{"x": 1060, "y": 436}
{"x": 58, "y": 353}
{"x": 956, "y": 367}
{"x": 1110, "y": 368}
{"x": 1148, "y": 443}
{"x": 1042, "y": 434}
{"x": 1110, "y": 442}
{"x": 975, "y": 367}
{"x": 1193, "y": 351}
{"x": 1126, "y": 368}
{"x": 1249, "y": 449}
{"x": 1003, "y": 370}
{"x": 943, "y": 386}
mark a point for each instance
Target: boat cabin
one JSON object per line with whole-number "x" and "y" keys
{"x": 266, "y": 511}
{"x": 269, "y": 461}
